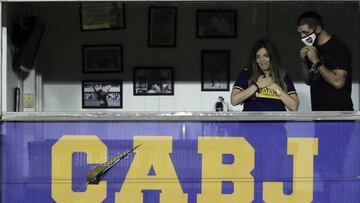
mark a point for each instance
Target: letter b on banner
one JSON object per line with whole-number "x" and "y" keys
{"x": 214, "y": 173}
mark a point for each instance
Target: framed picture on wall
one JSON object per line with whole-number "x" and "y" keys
{"x": 216, "y": 23}
{"x": 162, "y": 27}
{"x": 102, "y": 15}
{"x": 102, "y": 58}
{"x": 102, "y": 94}
{"x": 215, "y": 70}
{"x": 153, "y": 81}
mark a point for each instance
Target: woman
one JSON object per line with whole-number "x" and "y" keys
{"x": 264, "y": 86}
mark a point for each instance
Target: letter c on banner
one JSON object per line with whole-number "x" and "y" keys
{"x": 61, "y": 168}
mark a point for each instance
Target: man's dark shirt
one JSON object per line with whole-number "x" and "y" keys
{"x": 325, "y": 97}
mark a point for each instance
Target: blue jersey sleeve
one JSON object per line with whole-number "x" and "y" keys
{"x": 290, "y": 85}
{"x": 242, "y": 81}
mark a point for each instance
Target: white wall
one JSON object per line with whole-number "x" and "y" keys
{"x": 60, "y": 54}
{"x": 185, "y": 98}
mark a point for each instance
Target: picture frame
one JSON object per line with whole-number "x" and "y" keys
{"x": 153, "y": 81}
{"x": 102, "y": 15}
{"x": 215, "y": 70}
{"x": 162, "y": 27}
{"x": 102, "y": 58}
{"x": 216, "y": 24}
{"x": 102, "y": 94}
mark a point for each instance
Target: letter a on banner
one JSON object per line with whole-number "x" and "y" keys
{"x": 303, "y": 150}
{"x": 214, "y": 173}
{"x": 153, "y": 155}
{"x": 61, "y": 168}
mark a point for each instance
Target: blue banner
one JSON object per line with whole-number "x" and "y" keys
{"x": 190, "y": 162}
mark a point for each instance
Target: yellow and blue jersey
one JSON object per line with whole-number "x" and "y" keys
{"x": 265, "y": 99}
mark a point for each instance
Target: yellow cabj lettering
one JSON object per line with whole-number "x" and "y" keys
{"x": 154, "y": 153}
{"x": 61, "y": 174}
{"x": 303, "y": 151}
{"x": 214, "y": 172}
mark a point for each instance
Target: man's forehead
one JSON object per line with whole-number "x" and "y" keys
{"x": 303, "y": 28}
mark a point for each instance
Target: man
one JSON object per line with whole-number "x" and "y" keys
{"x": 101, "y": 95}
{"x": 326, "y": 65}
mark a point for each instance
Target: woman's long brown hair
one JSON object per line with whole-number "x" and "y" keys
{"x": 276, "y": 71}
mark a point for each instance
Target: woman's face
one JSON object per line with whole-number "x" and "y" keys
{"x": 263, "y": 59}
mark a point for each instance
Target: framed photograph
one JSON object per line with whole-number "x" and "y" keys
{"x": 102, "y": 94}
{"x": 216, "y": 23}
{"x": 153, "y": 81}
{"x": 102, "y": 15}
{"x": 215, "y": 70}
{"x": 162, "y": 26}
{"x": 102, "y": 58}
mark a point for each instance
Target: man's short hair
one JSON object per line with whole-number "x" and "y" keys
{"x": 310, "y": 18}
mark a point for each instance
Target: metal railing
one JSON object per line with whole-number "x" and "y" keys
{"x": 180, "y": 116}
